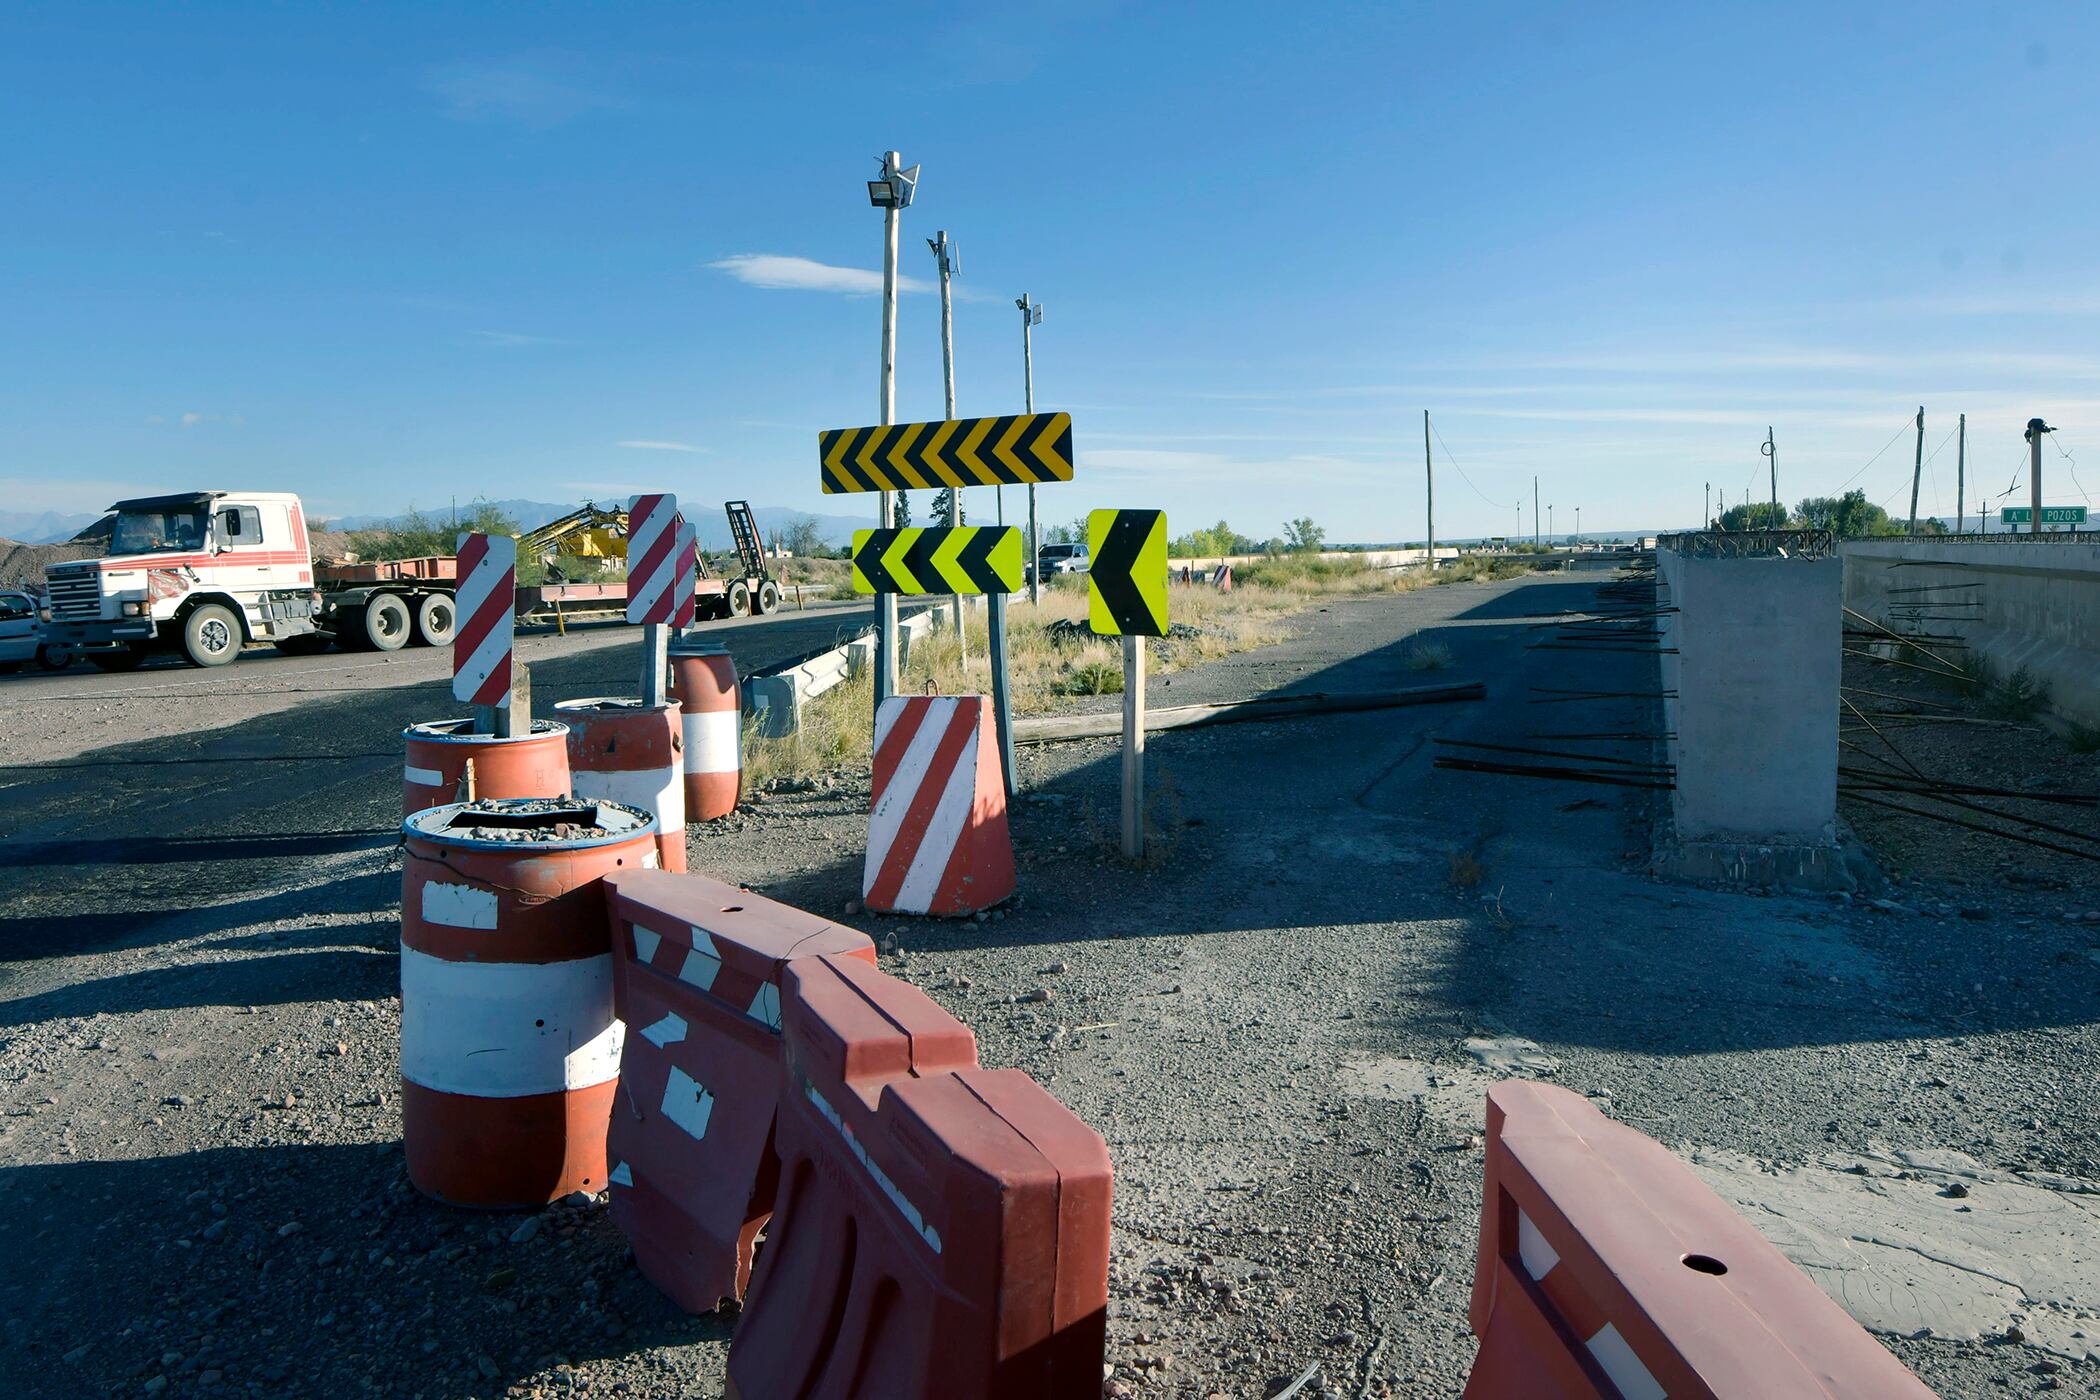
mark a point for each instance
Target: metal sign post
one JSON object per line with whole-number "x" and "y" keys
{"x": 1127, "y": 597}
{"x": 950, "y": 264}
{"x": 892, "y": 193}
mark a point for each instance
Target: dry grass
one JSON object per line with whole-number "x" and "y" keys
{"x": 1427, "y": 656}
{"x": 1044, "y": 670}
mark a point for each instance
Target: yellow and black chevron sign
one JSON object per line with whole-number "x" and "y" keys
{"x": 938, "y": 559}
{"x": 1126, "y": 579}
{"x": 1018, "y": 448}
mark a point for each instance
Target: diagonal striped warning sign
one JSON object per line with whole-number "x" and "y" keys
{"x": 1008, "y": 451}
{"x": 485, "y": 605}
{"x": 1126, "y": 584}
{"x": 660, "y": 565}
{"x": 938, "y": 559}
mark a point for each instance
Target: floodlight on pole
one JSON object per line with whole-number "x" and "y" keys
{"x": 895, "y": 187}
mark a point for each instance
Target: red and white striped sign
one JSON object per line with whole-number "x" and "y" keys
{"x": 937, "y": 835}
{"x": 660, "y": 571}
{"x": 487, "y": 604}
{"x": 688, "y": 564}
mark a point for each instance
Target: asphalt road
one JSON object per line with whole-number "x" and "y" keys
{"x": 234, "y": 775}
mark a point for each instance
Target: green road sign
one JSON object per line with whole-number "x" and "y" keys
{"x": 2051, "y": 515}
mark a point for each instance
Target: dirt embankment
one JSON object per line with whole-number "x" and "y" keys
{"x": 23, "y": 565}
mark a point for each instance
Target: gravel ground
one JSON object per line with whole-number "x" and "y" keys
{"x": 1282, "y": 1023}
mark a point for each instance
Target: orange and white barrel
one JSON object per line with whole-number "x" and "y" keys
{"x": 625, "y": 751}
{"x": 704, "y": 680}
{"x": 510, "y": 1052}
{"x": 446, "y": 761}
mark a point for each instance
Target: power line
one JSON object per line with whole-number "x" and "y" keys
{"x": 1908, "y": 424}
{"x": 1498, "y": 505}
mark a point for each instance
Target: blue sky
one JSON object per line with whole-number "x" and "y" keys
{"x": 394, "y": 254}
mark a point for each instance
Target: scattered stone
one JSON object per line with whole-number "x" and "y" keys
{"x": 78, "y": 1354}
{"x": 1956, "y": 1191}
{"x": 1038, "y": 994}
{"x": 852, "y": 907}
{"x": 178, "y": 1101}
{"x": 579, "y": 1199}
{"x": 214, "y": 1231}
{"x": 289, "y": 1229}
{"x": 524, "y": 1233}
{"x": 156, "y": 1385}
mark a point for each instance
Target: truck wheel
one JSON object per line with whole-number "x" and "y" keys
{"x": 55, "y": 656}
{"x": 387, "y": 625}
{"x": 129, "y": 659}
{"x": 436, "y": 620}
{"x": 211, "y": 636}
{"x": 769, "y": 597}
{"x": 739, "y": 598}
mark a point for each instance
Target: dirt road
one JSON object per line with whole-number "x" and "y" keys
{"x": 1283, "y": 1026}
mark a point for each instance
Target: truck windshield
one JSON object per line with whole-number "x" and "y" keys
{"x": 155, "y": 531}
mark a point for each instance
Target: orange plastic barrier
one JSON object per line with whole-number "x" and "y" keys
{"x": 696, "y": 967}
{"x": 941, "y": 1230}
{"x": 937, "y": 834}
{"x": 627, "y": 752}
{"x": 1608, "y": 1271}
{"x": 703, "y": 678}
{"x": 446, "y": 761}
{"x": 509, "y": 1046}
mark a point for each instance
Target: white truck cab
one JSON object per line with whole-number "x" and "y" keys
{"x": 202, "y": 571}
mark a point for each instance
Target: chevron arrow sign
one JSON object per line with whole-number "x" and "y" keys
{"x": 1018, "y": 448}
{"x": 1126, "y": 582}
{"x": 961, "y": 559}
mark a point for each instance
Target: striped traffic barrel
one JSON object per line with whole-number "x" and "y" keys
{"x": 628, "y": 752}
{"x": 704, "y": 680}
{"x": 448, "y": 762}
{"x": 510, "y": 1052}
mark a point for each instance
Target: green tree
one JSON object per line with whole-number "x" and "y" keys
{"x": 940, "y": 509}
{"x": 1757, "y": 515}
{"x": 901, "y": 516}
{"x": 802, "y": 537}
{"x": 1850, "y": 516}
{"x": 415, "y": 534}
{"x": 1304, "y": 536}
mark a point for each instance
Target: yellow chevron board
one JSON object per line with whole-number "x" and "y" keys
{"x": 938, "y": 559}
{"x": 1126, "y": 579}
{"x": 1010, "y": 451}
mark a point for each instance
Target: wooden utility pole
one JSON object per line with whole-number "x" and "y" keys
{"x": 1961, "y": 467}
{"x": 1133, "y": 747}
{"x": 1429, "y": 479}
{"x": 1917, "y": 470}
{"x": 2035, "y": 428}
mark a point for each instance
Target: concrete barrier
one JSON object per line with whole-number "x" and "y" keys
{"x": 2036, "y": 603}
{"x": 775, "y": 701}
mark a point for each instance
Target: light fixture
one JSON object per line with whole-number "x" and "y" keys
{"x": 880, "y": 194}
{"x": 894, "y": 190}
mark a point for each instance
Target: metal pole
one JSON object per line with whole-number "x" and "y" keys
{"x": 942, "y": 251}
{"x": 1534, "y": 512}
{"x": 1429, "y": 480}
{"x": 1035, "y": 543}
{"x": 1002, "y": 706}
{"x": 886, "y": 603}
{"x": 1917, "y": 470}
{"x": 1133, "y": 747}
{"x": 1706, "y": 508}
{"x": 2035, "y": 428}
{"x": 1961, "y": 467}
{"x": 1772, "y": 453}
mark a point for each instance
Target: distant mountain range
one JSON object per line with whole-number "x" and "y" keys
{"x": 43, "y": 527}
{"x": 713, "y": 524}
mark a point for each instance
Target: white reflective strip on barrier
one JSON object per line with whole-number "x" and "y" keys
{"x": 1634, "y": 1380}
{"x": 687, "y": 1104}
{"x": 620, "y": 1175}
{"x": 645, "y": 941}
{"x": 937, "y": 847}
{"x": 658, "y": 791}
{"x": 888, "y": 817}
{"x": 458, "y": 906}
{"x": 765, "y": 1006}
{"x": 421, "y": 777}
{"x": 701, "y": 963}
{"x": 1539, "y": 1257}
{"x": 649, "y": 860}
{"x": 504, "y": 1030}
{"x": 713, "y": 741}
{"x": 669, "y": 1031}
{"x": 897, "y": 1197}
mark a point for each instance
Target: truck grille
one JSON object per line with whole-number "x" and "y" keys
{"x": 76, "y": 594}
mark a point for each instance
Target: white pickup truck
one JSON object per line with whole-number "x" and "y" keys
{"x": 207, "y": 572}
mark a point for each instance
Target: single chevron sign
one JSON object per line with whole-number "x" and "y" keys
{"x": 961, "y": 559}
{"x": 1021, "y": 447}
{"x": 1126, "y": 582}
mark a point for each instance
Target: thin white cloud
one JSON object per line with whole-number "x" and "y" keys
{"x": 511, "y": 340}
{"x": 655, "y": 445}
{"x": 196, "y": 419}
{"x": 536, "y": 90}
{"x": 780, "y": 272}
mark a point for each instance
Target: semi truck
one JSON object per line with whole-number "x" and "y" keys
{"x": 205, "y": 573}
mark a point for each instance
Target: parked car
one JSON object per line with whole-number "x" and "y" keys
{"x": 1057, "y": 559}
{"x": 22, "y": 636}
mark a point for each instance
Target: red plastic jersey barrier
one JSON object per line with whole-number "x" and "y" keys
{"x": 696, "y": 967}
{"x": 1608, "y": 1271}
{"x": 941, "y": 1230}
